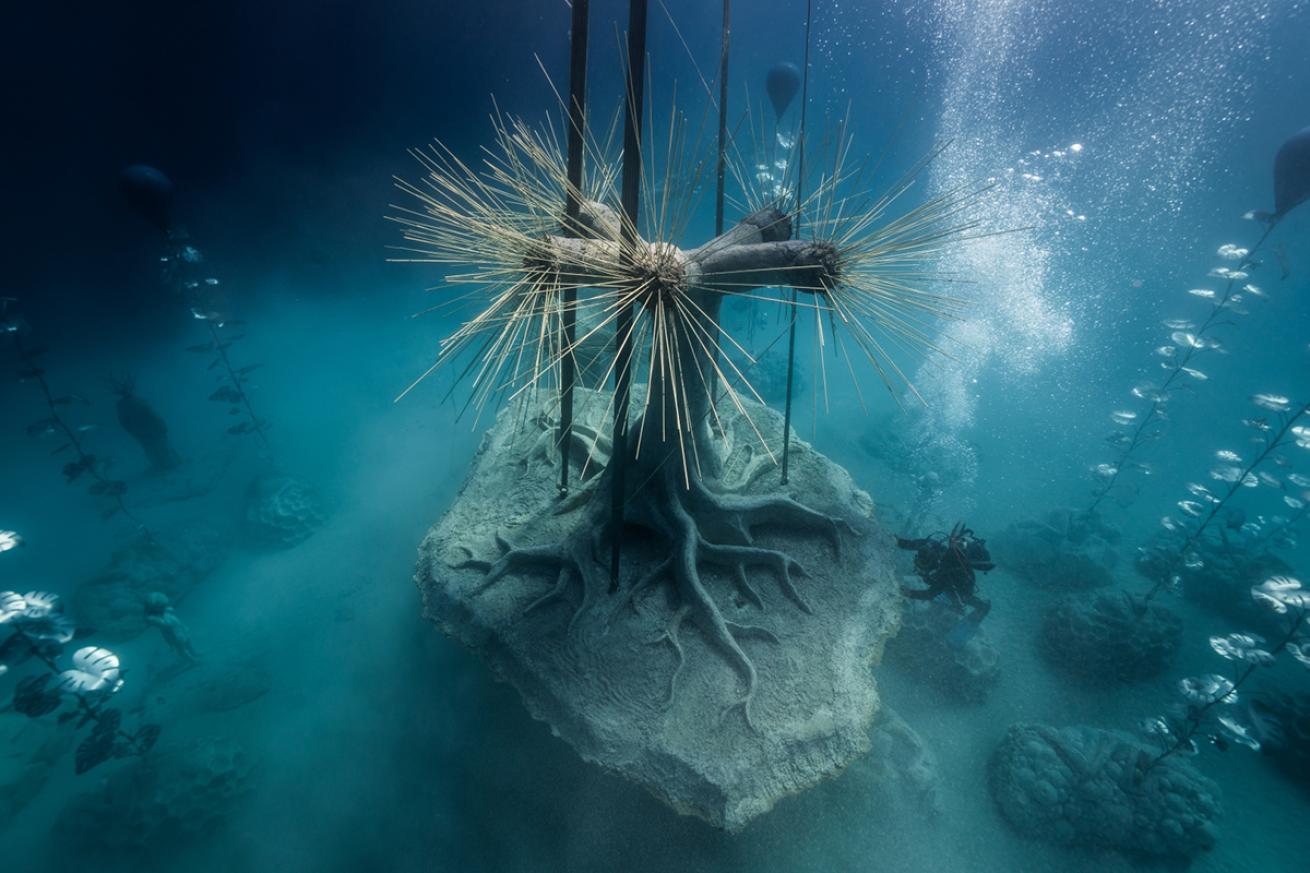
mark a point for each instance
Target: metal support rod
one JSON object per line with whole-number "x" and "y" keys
{"x": 636, "y": 91}
{"x": 723, "y": 118}
{"x": 577, "y": 110}
{"x": 800, "y": 182}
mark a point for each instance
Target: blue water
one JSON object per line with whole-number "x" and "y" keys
{"x": 1124, "y": 141}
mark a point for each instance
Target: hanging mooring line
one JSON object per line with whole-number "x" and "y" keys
{"x": 636, "y": 93}
{"x": 800, "y": 181}
{"x": 723, "y": 118}
{"x": 577, "y": 110}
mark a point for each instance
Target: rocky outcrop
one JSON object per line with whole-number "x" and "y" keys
{"x": 1064, "y": 550}
{"x": 1097, "y": 789}
{"x": 907, "y": 774}
{"x": 30, "y": 749}
{"x": 1282, "y": 725}
{"x": 174, "y": 796}
{"x": 281, "y": 510}
{"x": 922, "y": 649}
{"x": 1109, "y": 637}
{"x": 622, "y": 677}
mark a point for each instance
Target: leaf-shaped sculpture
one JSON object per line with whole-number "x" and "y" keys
{"x": 97, "y": 748}
{"x": 9, "y": 540}
{"x": 11, "y": 605}
{"x": 48, "y": 627}
{"x": 226, "y": 394}
{"x": 41, "y": 603}
{"x": 34, "y": 698}
{"x": 146, "y": 737}
{"x": 1281, "y": 592}
{"x": 95, "y": 671}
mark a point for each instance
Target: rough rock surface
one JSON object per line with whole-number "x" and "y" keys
{"x": 1282, "y": 723}
{"x": 1064, "y": 550}
{"x": 602, "y": 673}
{"x": 176, "y": 795}
{"x": 1109, "y": 637}
{"x": 113, "y": 602}
{"x": 907, "y": 770}
{"x": 967, "y": 673}
{"x": 281, "y": 510}
{"x": 1082, "y": 786}
{"x": 30, "y": 748}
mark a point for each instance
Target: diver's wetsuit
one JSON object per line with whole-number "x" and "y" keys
{"x": 949, "y": 570}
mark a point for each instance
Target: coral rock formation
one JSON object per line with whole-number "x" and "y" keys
{"x": 1283, "y": 728}
{"x": 1223, "y": 583}
{"x": 745, "y": 679}
{"x": 907, "y": 770}
{"x": 1065, "y": 550}
{"x": 281, "y": 510}
{"x": 966, "y": 673}
{"x": 30, "y": 748}
{"x": 1109, "y": 637}
{"x": 174, "y": 796}
{"x": 1081, "y": 786}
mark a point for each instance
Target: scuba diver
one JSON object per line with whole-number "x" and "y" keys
{"x": 947, "y": 564}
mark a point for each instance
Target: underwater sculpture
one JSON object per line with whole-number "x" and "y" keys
{"x": 1100, "y": 790}
{"x": 1133, "y": 636}
{"x": 1191, "y": 338}
{"x": 923, "y": 647}
{"x": 782, "y": 83}
{"x": 1065, "y": 550}
{"x": 85, "y": 465}
{"x": 281, "y": 510}
{"x": 143, "y": 424}
{"x": 1109, "y": 637}
{"x": 1291, "y": 176}
{"x": 186, "y": 272}
{"x": 36, "y": 628}
{"x": 112, "y": 600}
{"x": 184, "y": 792}
{"x": 723, "y": 660}
{"x": 1204, "y": 510}
{"x": 1229, "y": 567}
{"x": 1208, "y": 707}
{"x": 1280, "y": 722}
{"x": 160, "y": 614}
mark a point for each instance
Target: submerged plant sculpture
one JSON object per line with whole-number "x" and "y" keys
{"x": 1202, "y": 510}
{"x": 1204, "y": 696}
{"x": 84, "y": 465}
{"x": 186, "y": 273}
{"x": 1189, "y": 338}
{"x": 863, "y": 273}
{"x": 37, "y": 628}
{"x": 143, "y": 424}
{"x": 1188, "y": 341}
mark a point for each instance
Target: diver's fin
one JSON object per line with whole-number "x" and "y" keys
{"x": 964, "y": 631}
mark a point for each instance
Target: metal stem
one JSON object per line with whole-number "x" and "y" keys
{"x": 800, "y": 181}
{"x": 723, "y": 118}
{"x": 636, "y": 90}
{"x": 572, "y": 209}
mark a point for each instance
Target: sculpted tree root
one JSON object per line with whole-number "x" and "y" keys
{"x": 699, "y": 527}
{"x": 587, "y": 443}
